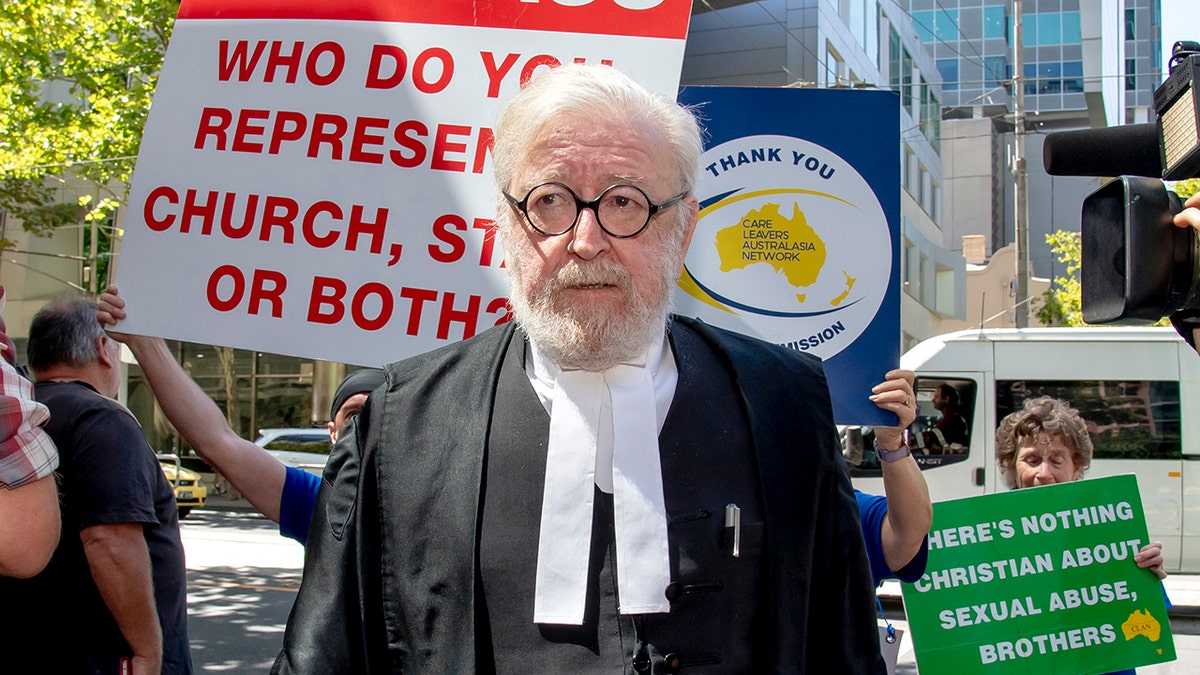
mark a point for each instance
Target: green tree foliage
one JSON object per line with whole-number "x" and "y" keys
{"x": 76, "y": 78}
{"x": 1061, "y": 304}
{"x": 1185, "y": 188}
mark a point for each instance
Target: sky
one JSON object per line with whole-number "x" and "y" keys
{"x": 1180, "y": 21}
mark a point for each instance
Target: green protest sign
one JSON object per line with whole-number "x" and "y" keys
{"x": 1039, "y": 580}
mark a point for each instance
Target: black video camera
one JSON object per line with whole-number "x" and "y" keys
{"x": 1137, "y": 266}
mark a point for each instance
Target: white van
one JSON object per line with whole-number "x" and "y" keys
{"x": 1138, "y": 388}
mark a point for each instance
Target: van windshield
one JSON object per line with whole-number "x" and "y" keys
{"x": 940, "y": 435}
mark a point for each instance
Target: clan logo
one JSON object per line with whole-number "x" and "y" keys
{"x": 791, "y": 245}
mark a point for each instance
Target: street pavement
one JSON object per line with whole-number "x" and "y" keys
{"x": 242, "y": 581}
{"x": 243, "y": 576}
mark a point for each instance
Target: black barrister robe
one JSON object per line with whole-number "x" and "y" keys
{"x": 391, "y": 573}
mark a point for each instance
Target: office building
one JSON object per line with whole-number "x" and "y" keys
{"x": 1087, "y": 63}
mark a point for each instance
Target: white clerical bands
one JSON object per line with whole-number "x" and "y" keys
{"x": 582, "y": 403}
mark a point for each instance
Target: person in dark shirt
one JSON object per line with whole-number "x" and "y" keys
{"x": 951, "y": 430}
{"x": 113, "y": 598}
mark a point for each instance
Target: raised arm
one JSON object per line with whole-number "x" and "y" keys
{"x": 251, "y": 469}
{"x": 909, "y": 511}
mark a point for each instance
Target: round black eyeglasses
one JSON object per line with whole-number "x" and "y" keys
{"x": 623, "y": 211}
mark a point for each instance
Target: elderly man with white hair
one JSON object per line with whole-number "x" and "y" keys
{"x": 598, "y": 486}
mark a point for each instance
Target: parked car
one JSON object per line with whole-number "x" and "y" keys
{"x": 190, "y": 491}
{"x": 306, "y": 448}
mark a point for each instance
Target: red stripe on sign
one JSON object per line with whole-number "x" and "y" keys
{"x": 641, "y": 18}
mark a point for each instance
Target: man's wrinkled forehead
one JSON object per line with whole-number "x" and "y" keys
{"x": 558, "y": 173}
{"x": 635, "y": 148}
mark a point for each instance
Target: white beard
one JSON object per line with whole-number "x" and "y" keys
{"x": 592, "y": 337}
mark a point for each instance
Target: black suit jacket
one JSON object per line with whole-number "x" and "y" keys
{"x": 390, "y": 578}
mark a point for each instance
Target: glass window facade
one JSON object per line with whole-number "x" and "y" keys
{"x": 970, "y": 23}
{"x": 1049, "y": 29}
{"x": 894, "y": 60}
{"x": 923, "y": 22}
{"x": 1054, "y": 77}
{"x": 931, "y": 115}
{"x": 982, "y": 49}
{"x": 967, "y": 23}
{"x": 938, "y": 25}
{"x": 1072, "y": 76}
{"x": 1049, "y": 78}
{"x": 995, "y": 23}
{"x": 997, "y": 70}
{"x": 949, "y": 71}
{"x": 1070, "y": 28}
{"x": 255, "y": 390}
{"x": 946, "y": 26}
{"x": 979, "y": 33}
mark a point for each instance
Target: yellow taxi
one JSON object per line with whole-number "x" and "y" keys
{"x": 190, "y": 492}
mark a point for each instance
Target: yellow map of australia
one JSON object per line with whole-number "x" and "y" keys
{"x": 1141, "y": 622}
{"x": 789, "y": 245}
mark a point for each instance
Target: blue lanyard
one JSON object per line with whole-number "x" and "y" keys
{"x": 891, "y": 630}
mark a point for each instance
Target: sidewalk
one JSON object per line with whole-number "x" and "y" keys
{"x": 221, "y": 502}
{"x": 1184, "y": 592}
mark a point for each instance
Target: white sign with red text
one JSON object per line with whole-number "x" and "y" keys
{"x": 315, "y": 180}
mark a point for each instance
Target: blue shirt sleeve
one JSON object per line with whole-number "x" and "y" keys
{"x": 871, "y": 510}
{"x": 297, "y": 502}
